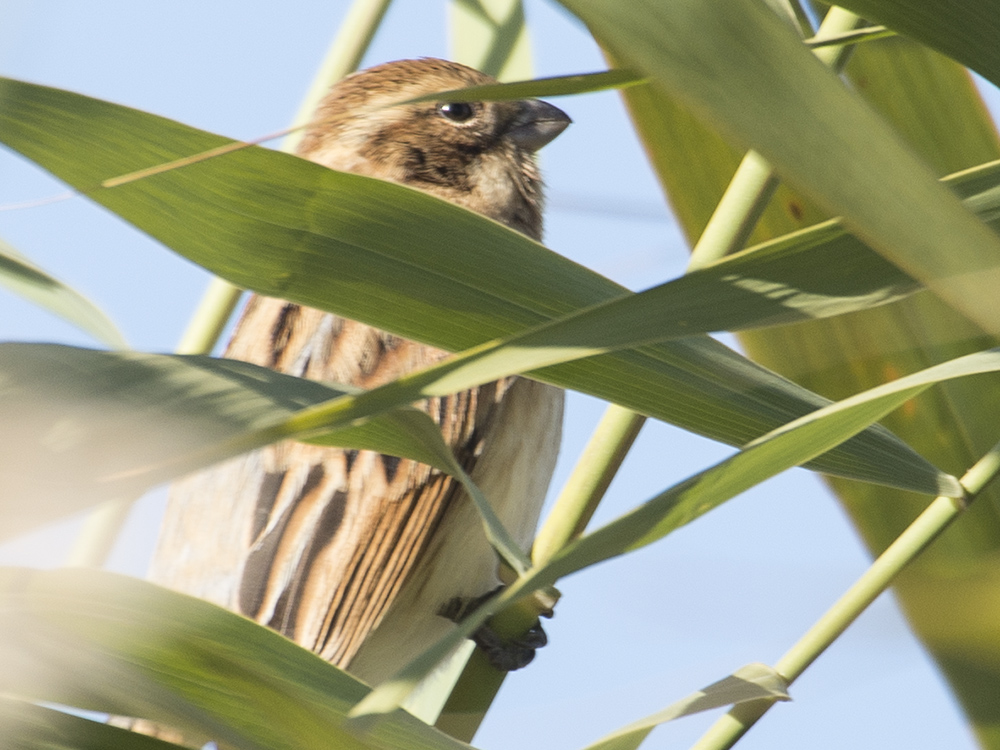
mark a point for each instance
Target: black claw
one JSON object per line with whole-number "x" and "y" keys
{"x": 535, "y": 638}
{"x": 505, "y": 656}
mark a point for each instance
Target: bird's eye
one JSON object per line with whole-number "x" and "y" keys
{"x": 457, "y": 111}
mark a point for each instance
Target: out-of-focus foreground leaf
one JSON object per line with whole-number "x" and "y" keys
{"x": 81, "y": 427}
{"x": 743, "y": 69}
{"x": 933, "y": 105}
{"x": 965, "y": 30}
{"x": 23, "y": 277}
{"x": 27, "y": 726}
{"x": 108, "y": 643}
{"x": 393, "y": 258}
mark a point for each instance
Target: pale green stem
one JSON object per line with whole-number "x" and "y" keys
{"x": 95, "y": 540}
{"x": 754, "y": 182}
{"x": 876, "y": 580}
{"x": 590, "y": 479}
{"x": 837, "y": 21}
{"x": 491, "y": 36}
{"x": 210, "y": 318}
{"x": 344, "y": 56}
{"x": 737, "y": 213}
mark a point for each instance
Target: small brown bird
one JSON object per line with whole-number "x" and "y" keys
{"x": 354, "y": 554}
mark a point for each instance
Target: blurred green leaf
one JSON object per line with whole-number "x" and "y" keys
{"x": 26, "y": 726}
{"x": 82, "y": 426}
{"x": 745, "y": 71}
{"x": 23, "y": 277}
{"x": 966, "y": 30}
{"x": 108, "y": 643}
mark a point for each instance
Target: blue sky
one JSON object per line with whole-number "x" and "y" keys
{"x": 630, "y": 636}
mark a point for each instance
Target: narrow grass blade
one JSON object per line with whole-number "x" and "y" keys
{"x": 582, "y": 83}
{"x": 749, "y": 683}
{"x": 23, "y": 277}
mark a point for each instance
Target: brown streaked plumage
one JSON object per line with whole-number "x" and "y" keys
{"x": 353, "y": 554}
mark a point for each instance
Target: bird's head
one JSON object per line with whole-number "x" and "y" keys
{"x": 477, "y": 154}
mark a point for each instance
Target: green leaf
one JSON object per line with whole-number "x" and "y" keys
{"x": 102, "y": 455}
{"x": 23, "y": 277}
{"x": 965, "y": 30}
{"x": 766, "y": 285}
{"x": 741, "y": 68}
{"x": 101, "y": 642}
{"x": 811, "y": 274}
{"x": 25, "y": 726}
{"x": 686, "y": 501}
{"x": 760, "y": 460}
{"x": 399, "y": 260}
{"x": 866, "y": 33}
{"x": 750, "y": 683}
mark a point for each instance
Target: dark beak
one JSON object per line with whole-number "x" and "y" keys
{"x": 536, "y": 124}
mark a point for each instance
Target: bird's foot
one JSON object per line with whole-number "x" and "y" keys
{"x": 504, "y": 655}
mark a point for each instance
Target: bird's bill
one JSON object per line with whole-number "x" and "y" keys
{"x": 537, "y": 123}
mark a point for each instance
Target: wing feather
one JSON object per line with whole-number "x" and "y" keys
{"x": 331, "y": 535}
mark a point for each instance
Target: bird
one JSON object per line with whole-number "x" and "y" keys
{"x": 354, "y": 554}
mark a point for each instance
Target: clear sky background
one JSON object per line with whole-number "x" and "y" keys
{"x": 630, "y": 636}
